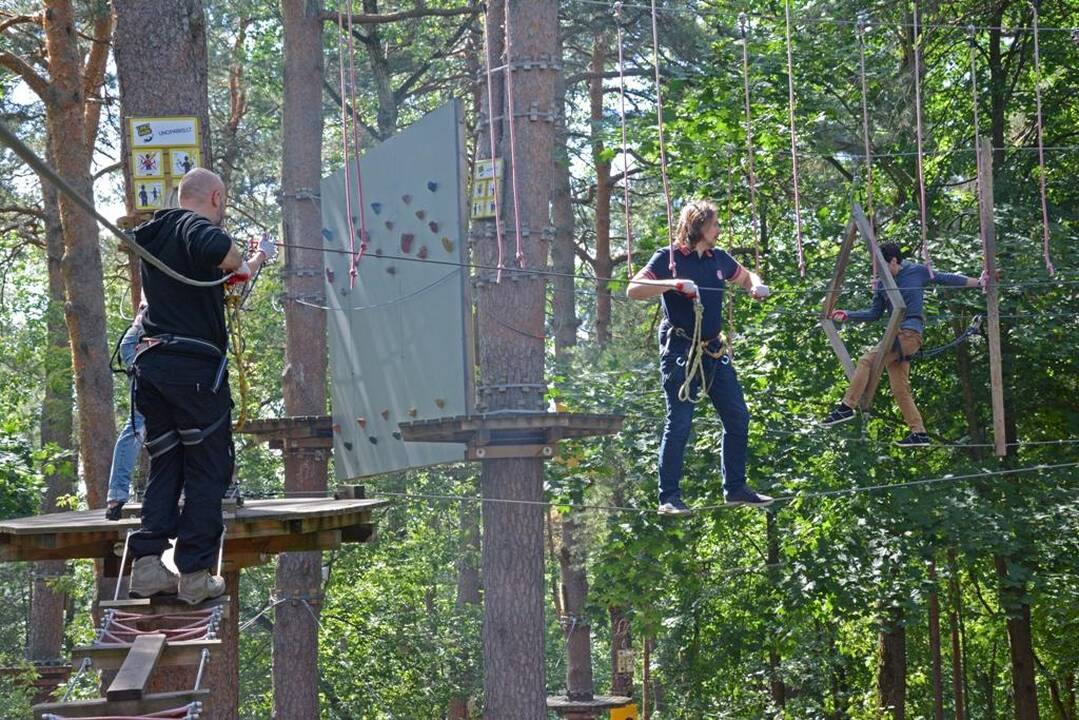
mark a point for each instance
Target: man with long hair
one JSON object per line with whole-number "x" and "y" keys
{"x": 911, "y": 279}
{"x": 691, "y": 280}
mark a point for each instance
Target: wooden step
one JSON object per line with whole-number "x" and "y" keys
{"x": 146, "y": 705}
{"x": 164, "y": 605}
{"x": 182, "y": 653}
{"x": 134, "y": 673}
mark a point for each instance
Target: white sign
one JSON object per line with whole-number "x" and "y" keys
{"x": 163, "y": 131}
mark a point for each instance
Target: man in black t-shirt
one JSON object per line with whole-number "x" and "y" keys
{"x": 182, "y": 390}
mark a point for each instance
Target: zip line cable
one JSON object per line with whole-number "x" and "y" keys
{"x": 47, "y": 173}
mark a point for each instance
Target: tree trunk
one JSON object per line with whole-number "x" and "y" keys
{"x": 81, "y": 265}
{"x": 604, "y": 266}
{"x": 892, "y": 665}
{"x": 777, "y": 686}
{"x": 954, "y": 620}
{"x": 563, "y": 257}
{"x": 46, "y": 626}
{"x": 1020, "y": 641}
{"x": 621, "y": 639}
{"x": 468, "y": 595}
{"x": 381, "y": 74}
{"x": 934, "y": 644}
{"x": 579, "y": 684}
{"x": 299, "y": 575}
{"x": 511, "y": 370}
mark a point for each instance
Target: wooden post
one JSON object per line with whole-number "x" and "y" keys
{"x": 989, "y": 241}
{"x": 832, "y": 298}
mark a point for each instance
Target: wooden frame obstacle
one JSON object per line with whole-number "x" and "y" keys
{"x": 860, "y": 225}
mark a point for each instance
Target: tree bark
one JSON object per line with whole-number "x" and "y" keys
{"x": 954, "y": 620}
{"x": 563, "y": 285}
{"x": 1020, "y": 642}
{"x": 299, "y": 575}
{"x": 469, "y": 590}
{"x": 892, "y": 664}
{"x": 511, "y": 339}
{"x": 604, "y": 265}
{"x": 579, "y": 683}
{"x": 934, "y": 644}
{"x": 380, "y": 73}
{"x": 777, "y": 686}
{"x": 46, "y": 626}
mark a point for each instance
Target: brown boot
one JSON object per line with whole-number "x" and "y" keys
{"x": 200, "y": 586}
{"x": 150, "y": 577}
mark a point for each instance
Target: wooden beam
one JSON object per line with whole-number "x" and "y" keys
{"x": 148, "y": 705}
{"x": 831, "y": 298}
{"x": 992, "y": 298}
{"x": 134, "y": 673}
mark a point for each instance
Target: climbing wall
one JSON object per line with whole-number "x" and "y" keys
{"x": 398, "y": 336}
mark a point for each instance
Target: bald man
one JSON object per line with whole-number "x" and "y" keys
{"x": 182, "y": 390}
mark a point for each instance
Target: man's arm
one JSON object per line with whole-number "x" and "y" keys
{"x": 645, "y": 287}
{"x": 956, "y": 280}
{"x": 751, "y": 283}
{"x": 868, "y": 315}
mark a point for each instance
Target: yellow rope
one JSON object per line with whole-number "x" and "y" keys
{"x": 695, "y": 359}
{"x": 233, "y": 299}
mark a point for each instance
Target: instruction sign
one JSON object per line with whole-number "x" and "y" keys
{"x": 163, "y": 150}
{"x": 484, "y": 188}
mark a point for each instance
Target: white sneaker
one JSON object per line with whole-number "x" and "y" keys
{"x": 150, "y": 577}
{"x": 200, "y": 586}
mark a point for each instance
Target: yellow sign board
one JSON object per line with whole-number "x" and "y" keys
{"x": 484, "y": 193}
{"x": 163, "y": 150}
{"x": 629, "y": 712}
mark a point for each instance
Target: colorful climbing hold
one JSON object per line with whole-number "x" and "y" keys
{"x": 440, "y": 402}
{"x": 433, "y": 225}
{"x": 391, "y": 270}
{"x": 432, "y": 185}
{"x": 385, "y": 414}
{"x": 406, "y": 242}
{"x": 377, "y": 207}
{"x": 422, "y": 253}
{"x": 348, "y": 445}
{"x": 413, "y": 412}
{"x": 329, "y": 275}
{"x": 362, "y": 422}
{"x": 421, "y": 214}
{"x": 447, "y": 244}
{"x": 373, "y": 440}
{"x": 406, "y": 199}
{"x": 327, "y": 234}
{"x": 389, "y": 224}
{"x": 397, "y": 435}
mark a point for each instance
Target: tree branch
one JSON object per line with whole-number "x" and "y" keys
{"x": 16, "y": 19}
{"x": 417, "y": 12}
{"x": 22, "y": 210}
{"x": 108, "y": 169}
{"x": 371, "y": 132}
{"x": 94, "y": 74}
{"x": 31, "y": 77}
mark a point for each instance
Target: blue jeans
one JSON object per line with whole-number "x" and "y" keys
{"x": 126, "y": 453}
{"x": 726, "y": 396}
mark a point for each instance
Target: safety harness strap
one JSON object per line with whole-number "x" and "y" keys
{"x": 188, "y": 436}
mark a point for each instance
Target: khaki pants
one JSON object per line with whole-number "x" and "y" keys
{"x": 898, "y": 378}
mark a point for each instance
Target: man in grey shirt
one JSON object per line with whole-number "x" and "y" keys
{"x": 911, "y": 279}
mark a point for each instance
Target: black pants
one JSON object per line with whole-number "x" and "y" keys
{"x": 173, "y": 393}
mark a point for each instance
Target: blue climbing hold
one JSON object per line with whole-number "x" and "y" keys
{"x": 432, "y": 185}
{"x": 327, "y": 234}
{"x": 377, "y": 207}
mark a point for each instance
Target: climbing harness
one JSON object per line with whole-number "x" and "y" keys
{"x": 923, "y": 354}
{"x": 694, "y": 360}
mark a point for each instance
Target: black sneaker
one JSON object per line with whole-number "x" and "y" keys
{"x": 113, "y": 512}
{"x": 674, "y": 506}
{"x": 840, "y": 414}
{"x": 745, "y": 495}
{"x": 915, "y": 439}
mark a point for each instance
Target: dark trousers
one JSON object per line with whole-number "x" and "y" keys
{"x": 174, "y": 393}
{"x": 726, "y": 395}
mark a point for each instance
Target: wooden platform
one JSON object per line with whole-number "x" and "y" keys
{"x": 293, "y": 433}
{"x": 492, "y": 436}
{"x": 145, "y": 705}
{"x": 573, "y": 709}
{"x": 255, "y": 531}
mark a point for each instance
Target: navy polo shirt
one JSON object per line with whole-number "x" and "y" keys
{"x": 710, "y": 271}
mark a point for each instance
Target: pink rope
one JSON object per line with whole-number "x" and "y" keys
{"x": 356, "y": 149}
{"x": 513, "y": 137}
{"x": 491, "y": 134}
{"x": 918, "y": 122}
{"x": 177, "y": 713}
{"x": 743, "y": 21}
{"x": 625, "y": 142}
{"x": 794, "y": 145}
{"x": 867, "y": 143}
{"x": 344, "y": 141}
{"x": 1041, "y": 145}
{"x": 662, "y": 142}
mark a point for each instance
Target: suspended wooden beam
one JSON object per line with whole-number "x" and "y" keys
{"x": 992, "y": 295}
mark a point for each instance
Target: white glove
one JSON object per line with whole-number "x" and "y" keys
{"x": 268, "y": 247}
{"x": 687, "y": 288}
{"x": 759, "y": 292}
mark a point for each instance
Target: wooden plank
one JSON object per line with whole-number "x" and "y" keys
{"x": 164, "y": 605}
{"x": 831, "y": 298}
{"x": 147, "y": 705}
{"x": 840, "y": 349}
{"x": 501, "y": 452}
{"x": 992, "y": 300}
{"x": 134, "y": 673}
{"x": 182, "y": 653}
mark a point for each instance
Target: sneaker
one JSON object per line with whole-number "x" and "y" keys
{"x": 915, "y": 439}
{"x": 150, "y": 577}
{"x": 113, "y": 510}
{"x": 746, "y": 496}
{"x": 674, "y": 506}
{"x": 840, "y": 414}
{"x": 200, "y": 586}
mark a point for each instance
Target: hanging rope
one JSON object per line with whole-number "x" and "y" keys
{"x": 867, "y": 142}
{"x": 662, "y": 141}
{"x": 794, "y": 147}
{"x": 730, "y": 244}
{"x": 1041, "y": 144}
{"x": 344, "y": 142}
{"x": 695, "y": 359}
{"x": 743, "y": 26}
{"x": 513, "y": 135}
{"x": 501, "y": 264}
{"x": 918, "y": 124}
{"x": 356, "y": 257}
{"x": 625, "y": 142}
